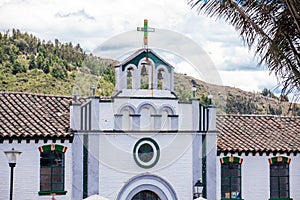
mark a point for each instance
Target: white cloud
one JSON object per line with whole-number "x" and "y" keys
{"x": 92, "y": 22}
{"x": 249, "y": 80}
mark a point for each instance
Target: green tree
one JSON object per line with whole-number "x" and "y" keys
{"x": 59, "y": 72}
{"x": 18, "y": 68}
{"x": 272, "y": 28}
{"x": 46, "y": 67}
{"x": 32, "y": 63}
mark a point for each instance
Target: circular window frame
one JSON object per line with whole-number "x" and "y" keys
{"x": 156, "y": 153}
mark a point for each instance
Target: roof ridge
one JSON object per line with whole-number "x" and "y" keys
{"x": 258, "y": 115}
{"x": 35, "y": 94}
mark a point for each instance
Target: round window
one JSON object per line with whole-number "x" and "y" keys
{"x": 146, "y": 152}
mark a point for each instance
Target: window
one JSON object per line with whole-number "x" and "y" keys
{"x": 52, "y": 169}
{"x": 279, "y": 178}
{"x": 146, "y": 194}
{"x": 231, "y": 178}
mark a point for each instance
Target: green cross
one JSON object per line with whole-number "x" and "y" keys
{"x": 145, "y": 29}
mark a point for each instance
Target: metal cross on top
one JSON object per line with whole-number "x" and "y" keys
{"x": 145, "y": 29}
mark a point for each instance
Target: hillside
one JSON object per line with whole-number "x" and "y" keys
{"x": 28, "y": 64}
{"x": 234, "y": 100}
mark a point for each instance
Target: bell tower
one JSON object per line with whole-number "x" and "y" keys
{"x": 145, "y": 72}
{"x": 143, "y": 141}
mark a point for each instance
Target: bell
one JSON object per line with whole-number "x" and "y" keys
{"x": 159, "y": 75}
{"x": 129, "y": 74}
{"x": 144, "y": 71}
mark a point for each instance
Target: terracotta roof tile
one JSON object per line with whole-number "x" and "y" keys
{"x": 33, "y": 115}
{"x": 258, "y": 133}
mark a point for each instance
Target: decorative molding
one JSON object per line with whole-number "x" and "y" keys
{"x": 147, "y": 182}
{"x": 53, "y": 147}
{"x": 231, "y": 159}
{"x": 279, "y": 159}
{"x": 156, "y": 153}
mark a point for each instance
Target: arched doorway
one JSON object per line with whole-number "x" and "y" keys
{"x": 147, "y": 185}
{"x": 146, "y": 195}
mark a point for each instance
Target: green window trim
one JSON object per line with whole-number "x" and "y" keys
{"x": 52, "y": 170}
{"x": 54, "y": 192}
{"x": 231, "y": 178}
{"x": 279, "y": 159}
{"x": 155, "y": 153}
{"x": 280, "y": 175}
{"x": 231, "y": 159}
{"x": 229, "y": 199}
{"x": 53, "y": 147}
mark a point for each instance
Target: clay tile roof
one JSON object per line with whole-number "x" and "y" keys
{"x": 34, "y": 116}
{"x": 258, "y": 133}
{"x": 46, "y": 116}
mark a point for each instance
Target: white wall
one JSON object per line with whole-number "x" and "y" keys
{"x": 27, "y": 171}
{"x": 256, "y": 178}
{"x": 117, "y": 165}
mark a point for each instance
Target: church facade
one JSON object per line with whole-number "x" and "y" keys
{"x": 257, "y": 155}
{"x": 143, "y": 142}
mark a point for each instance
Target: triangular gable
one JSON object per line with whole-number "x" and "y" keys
{"x": 140, "y": 54}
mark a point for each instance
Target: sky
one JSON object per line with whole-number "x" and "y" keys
{"x": 92, "y": 23}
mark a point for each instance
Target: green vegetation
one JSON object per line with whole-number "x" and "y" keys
{"x": 28, "y": 64}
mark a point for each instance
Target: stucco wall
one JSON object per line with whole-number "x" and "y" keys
{"x": 256, "y": 178}
{"x": 117, "y": 165}
{"x": 27, "y": 171}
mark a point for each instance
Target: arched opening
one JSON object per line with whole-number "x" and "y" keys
{"x": 147, "y": 122}
{"x": 146, "y": 195}
{"x": 129, "y": 77}
{"x": 160, "y": 78}
{"x": 145, "y": 75}
{"x": 147, "y": 182}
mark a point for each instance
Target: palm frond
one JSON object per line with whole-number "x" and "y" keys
{"x": 272, "y": 28}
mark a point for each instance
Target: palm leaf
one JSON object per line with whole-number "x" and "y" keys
{"x": 272, "y": 28}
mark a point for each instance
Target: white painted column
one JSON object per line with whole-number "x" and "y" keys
{"x": 75, "y": 116}
{"x": 95, "y": 114}
{"x": 211, "y": 155}
{"x": 77, "y": 167}
{"x": 135, "y": 121}
{"x": 157, "y": 121}
{"x": 118, "y": 122}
